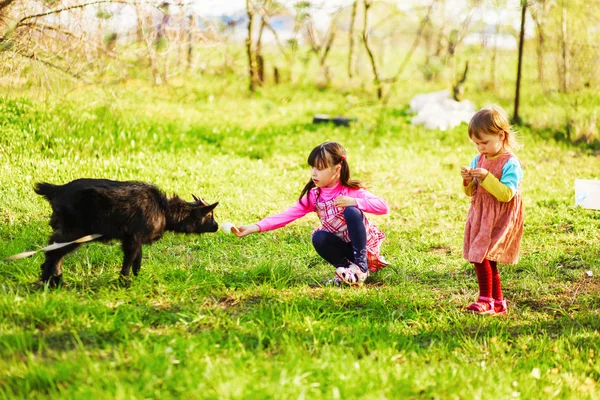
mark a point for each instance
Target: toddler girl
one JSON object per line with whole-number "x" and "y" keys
{"x": 495, "y": 221}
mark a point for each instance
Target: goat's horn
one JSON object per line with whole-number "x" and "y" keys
{"x": 195, "y": 198}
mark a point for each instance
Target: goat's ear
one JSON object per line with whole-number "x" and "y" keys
{"x": 203, "y": 210}
{"x": 210, "y": 208}
{"x": 199, "y": 200}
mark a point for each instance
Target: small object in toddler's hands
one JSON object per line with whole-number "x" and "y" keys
{"x": 227, "y": 227}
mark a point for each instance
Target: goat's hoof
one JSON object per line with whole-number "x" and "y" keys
{"x": 37, "y": 285}
{"x": 125, "y": 280}
{"x": 55, "y": 281}
{"x": 52, "y": 282}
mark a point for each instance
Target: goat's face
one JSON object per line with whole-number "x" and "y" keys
{"x": 204, "y": 217}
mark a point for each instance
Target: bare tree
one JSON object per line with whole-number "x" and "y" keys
{"x": 516, "y": 117}
{"x": 457, "y": 35}
{"x": 60, "y": 35}
{"x": 458, "y": 87}
{"x": 260, "y": 60}
{"x": 27, "y": 33}
{"x": 424, "y": 22}
{"x": 321, "y": 46}
{"x": 249, "y": 50}
{"x": 538, "y": 13}
{"x": 365, "y": 37}
{"x": 266, "y": 9}
{"x": 352, "y": 47}
{"x": 564, "y": 40}
{"x": 498, "y": 4}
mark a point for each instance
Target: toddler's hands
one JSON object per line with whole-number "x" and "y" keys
{"x": 465, "y": 172}
{"x": 241, "y": 231}
{"x": 479, "y": 173}
{"x": 344, "y": 201}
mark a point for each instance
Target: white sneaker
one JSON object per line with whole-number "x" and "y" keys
{"x": 352, "y": 275}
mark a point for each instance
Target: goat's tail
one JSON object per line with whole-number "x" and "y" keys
{"x": 45, "y": 189}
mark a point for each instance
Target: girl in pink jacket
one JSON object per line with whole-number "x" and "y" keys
{"x": 346, "y": 239}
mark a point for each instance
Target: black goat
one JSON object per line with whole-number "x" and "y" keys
{"x": 135, "y": 213}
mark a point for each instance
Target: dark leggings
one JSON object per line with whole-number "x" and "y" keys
{"x": 338, "y": 252}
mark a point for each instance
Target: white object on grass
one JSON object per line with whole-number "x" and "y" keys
{"x": 51, "y": 247}
{"x": 227, "y": 227}
{"x": 437, "y": 110}
{"x": 587, "y": 194}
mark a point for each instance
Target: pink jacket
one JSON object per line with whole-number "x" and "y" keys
{"x": 365, "y": 201}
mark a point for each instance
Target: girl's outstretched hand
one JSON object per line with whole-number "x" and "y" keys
{"x": 344, "y": 201}
{"x": 241, "y": 231}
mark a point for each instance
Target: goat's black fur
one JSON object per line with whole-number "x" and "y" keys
{"x": 135, "y": 213}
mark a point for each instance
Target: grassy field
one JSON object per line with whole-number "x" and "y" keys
{"x": 217, "y": 317}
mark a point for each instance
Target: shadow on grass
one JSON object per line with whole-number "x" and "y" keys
{"x": 266, "y": 323}
{"x": 562, "y": 136}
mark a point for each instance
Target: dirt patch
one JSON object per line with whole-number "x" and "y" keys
{"x": 564, "y": 298}
{"x": 442, "y": 250}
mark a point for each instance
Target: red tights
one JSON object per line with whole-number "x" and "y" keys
{"x": 489, "y": 279}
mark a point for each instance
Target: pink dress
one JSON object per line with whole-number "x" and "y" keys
{"x": 494, "y": 229}
{"x": 332, "y": 217}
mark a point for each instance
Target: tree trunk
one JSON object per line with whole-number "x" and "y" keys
{"x": 495, "y": 54}
{"x": 251, "y": 60}
{"x": 4, "y": 4}
{"x": 148, "y": 39}
{"x": 190, "y": 40}
{"x": 376, "y": 79}
{"x": 415, "y": 44}
{"x": 260, "y": 61}
{"x": 516, "y": 117}
{"x": 139, "y": 32}
{"x": 540, "y": 38}
{"x": 540, "y": 56}
{"x": 352, "y": 54}
{"x": 565, "y": 50}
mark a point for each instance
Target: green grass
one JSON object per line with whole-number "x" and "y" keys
{"x": 215, "y": 316}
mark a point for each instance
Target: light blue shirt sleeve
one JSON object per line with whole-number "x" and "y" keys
{"x": 512, "y": 173}
{"x": 474, "y": 165}
{"x": 474, "y": 162}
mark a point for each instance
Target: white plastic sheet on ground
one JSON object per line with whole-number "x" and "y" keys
{"x": 587, "y": 193}
{"x": 437, "y": 110}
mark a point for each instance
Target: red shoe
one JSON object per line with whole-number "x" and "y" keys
{"x": 483, "y": 305}
{"x": 500, "y": 306}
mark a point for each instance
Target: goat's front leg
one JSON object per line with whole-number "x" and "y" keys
{"x": 132, "y": 251}
{"x": 137, "y": 263}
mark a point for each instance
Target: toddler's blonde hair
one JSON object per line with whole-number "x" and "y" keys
{"x": 493, "y": 120}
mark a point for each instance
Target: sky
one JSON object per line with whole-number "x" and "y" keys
{"x": 322, "y": 10}
{"x": 219, "y": 7}
{"x": 326, "y": 7}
